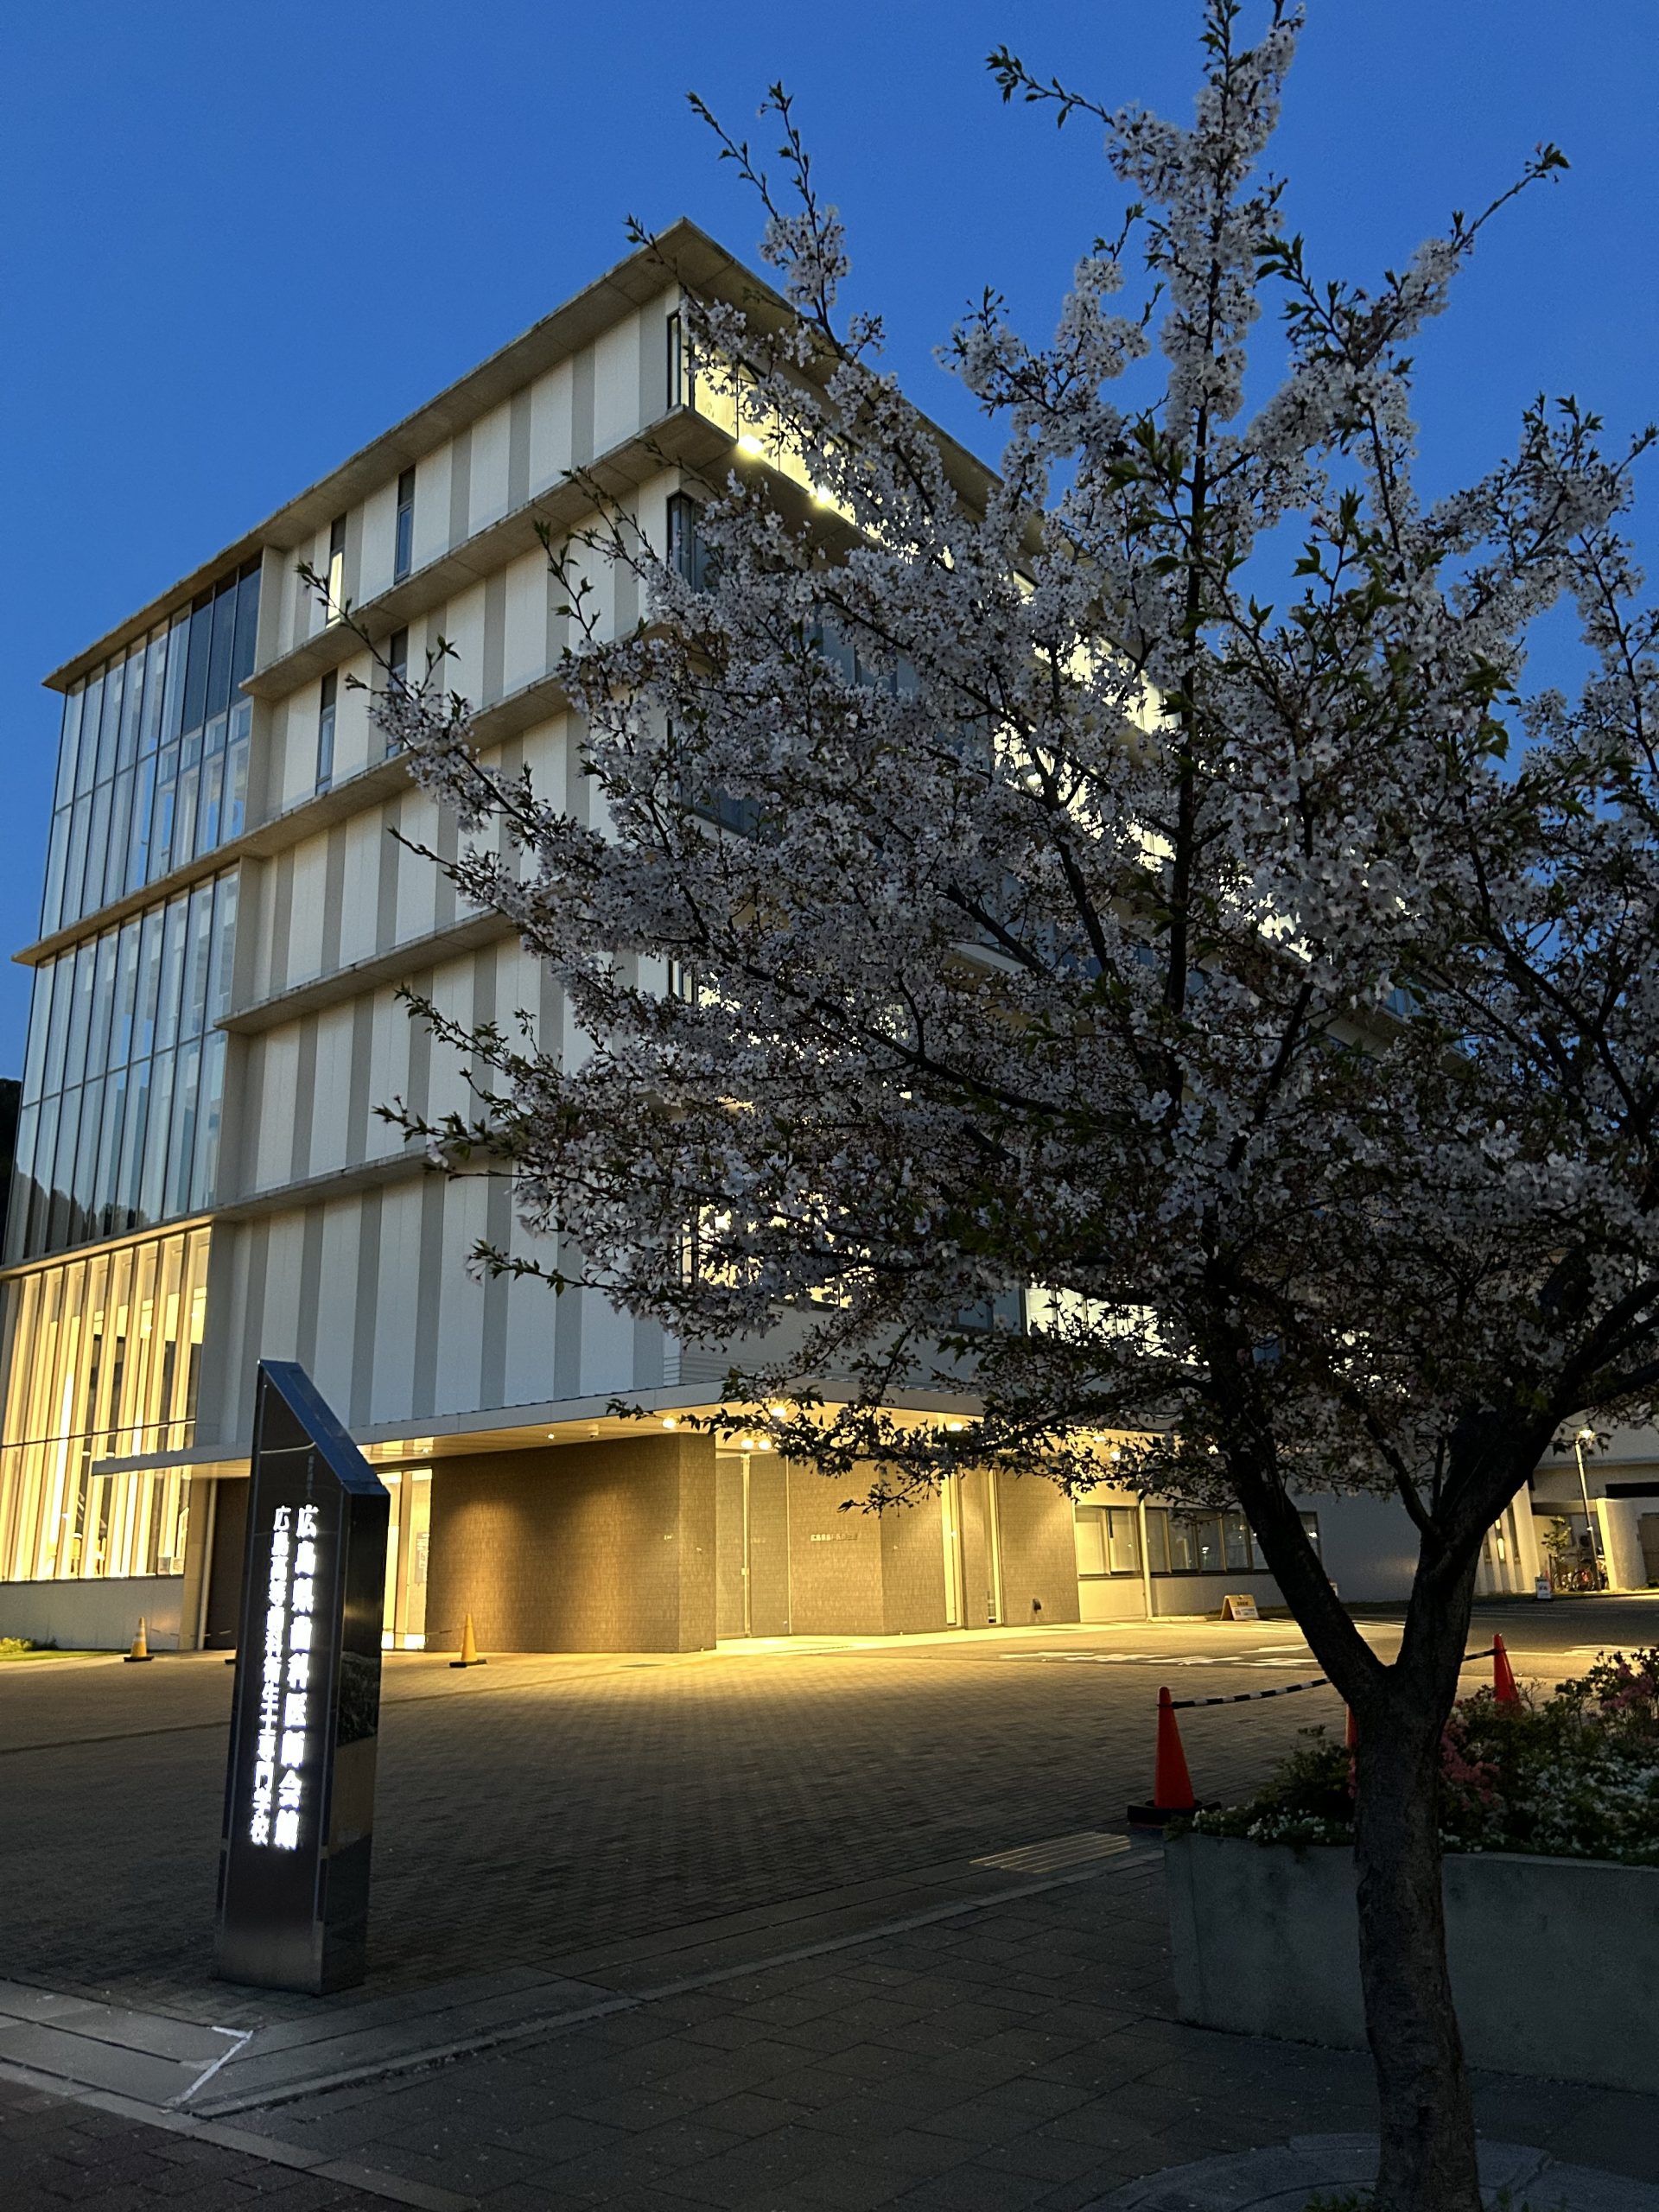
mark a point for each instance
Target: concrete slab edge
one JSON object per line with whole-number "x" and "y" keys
{"x": 268, "y": 2150}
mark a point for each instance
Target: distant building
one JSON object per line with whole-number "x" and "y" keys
{"x": 232, "y": 902}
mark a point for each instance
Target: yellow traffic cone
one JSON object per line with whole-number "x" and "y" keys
{"x": 140, "y": 1644}
{"x": 468, "y": 1647}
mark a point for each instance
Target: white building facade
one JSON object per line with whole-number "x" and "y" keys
{"x": 237, "y": 887}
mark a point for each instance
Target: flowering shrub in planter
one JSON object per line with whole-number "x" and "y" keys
{"x": 1573, "y": 1776}
{"x": 1548, "y": 1813}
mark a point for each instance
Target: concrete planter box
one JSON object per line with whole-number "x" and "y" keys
{"x": 1555, "y": 1961}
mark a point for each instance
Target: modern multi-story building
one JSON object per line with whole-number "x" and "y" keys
{"x": 236, "y": 890}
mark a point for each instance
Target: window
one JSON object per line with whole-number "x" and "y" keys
{"x": 1107, "y": 1540}
{"x": 687, "y": 555}
{"x": 403, "y": 551}
{"x": 326, "y": 731}
{"x": 1004, "y": 1310}
{"x": 679, "y": 376}
{"x": 1089, "y": 1531}
{"x": 396, "y": 674}
{"x": 337, "y": 568}
{"x": 1180, "y": 1543}
{"x": 1122, "y": 1540}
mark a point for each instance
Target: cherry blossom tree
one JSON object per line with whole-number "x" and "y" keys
{"x": 1138, "y": 872}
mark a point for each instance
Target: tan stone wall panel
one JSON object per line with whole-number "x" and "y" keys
{"x": 602, "y": 1546}
{"x": 834, "y": 1559}
{"x": 1039, "y": 1555}
{"x": 912, "y": 1568}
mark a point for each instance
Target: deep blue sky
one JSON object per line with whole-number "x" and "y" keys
{"x": 239, "y": 241}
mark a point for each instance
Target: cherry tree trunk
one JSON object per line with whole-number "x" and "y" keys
{"x": 1429, "y": 2162}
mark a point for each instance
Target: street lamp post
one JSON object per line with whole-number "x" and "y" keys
{"x": 1592, "y": 1527}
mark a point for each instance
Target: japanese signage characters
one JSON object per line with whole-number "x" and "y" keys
{"x": 284, "y": 1750}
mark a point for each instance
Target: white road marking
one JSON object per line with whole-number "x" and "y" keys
{"x": 240, "y": 2039}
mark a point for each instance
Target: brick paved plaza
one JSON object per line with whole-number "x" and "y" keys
{"x": 534, "y": 1806}
{"x": 700, "y": 1932}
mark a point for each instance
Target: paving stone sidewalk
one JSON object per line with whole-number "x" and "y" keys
{"x": 54, "y": 2154}
{"x": 1282, "y": 2179}
{"x": 1021, "y": 2056}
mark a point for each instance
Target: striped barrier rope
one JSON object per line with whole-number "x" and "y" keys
{"x": 1287, "y": 1690}
{"x": 1246, "y": 1697}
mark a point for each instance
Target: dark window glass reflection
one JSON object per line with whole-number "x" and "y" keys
{"x": 109, "y": 721}
{"x": 132, "y": 699}
{"x": 68, "y": 739}
{"x": 92, "y": 707}
{"x": 403, "y": 558}
{"x": 218, "y": 666}
{"x": 247, "y": 626}
{"x": 195, "y": 680}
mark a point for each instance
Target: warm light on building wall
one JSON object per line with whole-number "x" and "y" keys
{"x": 102, "y": 1360}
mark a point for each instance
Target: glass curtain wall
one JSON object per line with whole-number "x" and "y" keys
{"x": 103, "y": 1362}
{"x": 153, "y": 761}
{"x": 124, "y": 1080}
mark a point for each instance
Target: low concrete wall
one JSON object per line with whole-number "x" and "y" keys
{"x": 1555, "y": 1961}
{"x": 94, "y": 1616}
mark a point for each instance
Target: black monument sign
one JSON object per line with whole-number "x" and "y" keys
{"x": 299, "y": 1798}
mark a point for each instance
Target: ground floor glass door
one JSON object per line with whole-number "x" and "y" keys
{"x": 408, "y": 1540}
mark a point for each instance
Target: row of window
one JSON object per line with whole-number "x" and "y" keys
{"x": 153, "y": 759}
{"x": 1177, "y": 1542}
{"x": 124, "y": 1077}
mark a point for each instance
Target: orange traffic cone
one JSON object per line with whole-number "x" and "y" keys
{"x": 1172, "y": 1785}
{"x": 140, "y": 1644}
{"x": 1503, "y": 1688}
{"x": 468, "y": 1647}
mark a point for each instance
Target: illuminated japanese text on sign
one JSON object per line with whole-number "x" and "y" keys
{"x": 279, "y": 1780}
